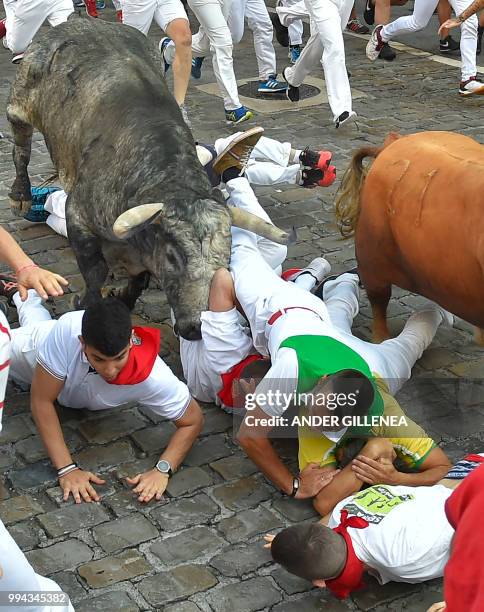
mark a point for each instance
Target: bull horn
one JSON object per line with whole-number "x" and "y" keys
{"x": 253, "y": 223}
{"x": 136, "y": 219}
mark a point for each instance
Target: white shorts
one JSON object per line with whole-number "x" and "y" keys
{"x": 225, "y": 342}
{"x": 140, "y": 13}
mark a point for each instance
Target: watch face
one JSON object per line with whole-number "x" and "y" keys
{"x": 163, "y": 466}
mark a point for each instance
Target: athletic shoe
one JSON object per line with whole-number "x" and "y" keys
{"x": 315, "y": 177}
{"x": 233, "y": 117}
{"x": 447, "y": 45}
{"x": 319, "y": 268}
{"x": 387, "y": 53}
{"x": 294, "y": 53}
{"x": 471, "y": 86}
{"x": 185, "y": 116}
{"x": 345, "y": 117}
{"x": 315, "y": 159}
{"x": 91, "y": 8}
{"x": 37, "y": 212}
{"x": 369, "y": 13}
{"x": 358, "y": 28}
{"x": 3, "y": 29}
{"x": 282, "y": 34}
{"x": 480, "y": 32}
{"x": 119, "y": 16}
{"x": 375, "y": 44}
{"x": 8, "y": 288}
{"x": 292, "y": 93}
{"x": 162, "y": 45}
{"x": 197, "y": 67}
{"x": 272, "y": 85}
{"x": 100, "y": 4}
{"x": 319, "y": 289}
{"x": 16, "y": 59}
{"x": 236, "y": 154}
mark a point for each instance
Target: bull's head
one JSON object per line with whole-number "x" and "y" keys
{"x": 191, "y": 250}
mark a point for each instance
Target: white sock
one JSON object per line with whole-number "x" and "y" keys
{"x": 305, "y": 281}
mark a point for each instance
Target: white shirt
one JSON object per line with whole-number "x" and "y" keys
{"x": 62, "y": 356}
{"x": 409, "y": 537}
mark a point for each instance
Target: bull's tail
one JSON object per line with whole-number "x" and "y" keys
{"x": 348, "y": 201}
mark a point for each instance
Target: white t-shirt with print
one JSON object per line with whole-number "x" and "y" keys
{"x": 62, "y": 356}
{"x": 408, "y": 538}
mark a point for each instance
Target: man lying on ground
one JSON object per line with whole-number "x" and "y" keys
{"x": 96, "y": 359}
{"x": 394, "y": 533}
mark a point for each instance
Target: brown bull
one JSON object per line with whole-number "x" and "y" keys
{"x": 418, "y": 220}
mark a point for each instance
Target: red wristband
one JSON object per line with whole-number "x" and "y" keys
{"x": 25, "y": 268}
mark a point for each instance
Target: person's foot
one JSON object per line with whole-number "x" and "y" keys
{"x": 357, "y": 27}
{"x": 37, "y": 212}
{"x": 294, "y": 53}
{"x": 239, "y": 115}
{"x": 8, "y": 288}
{"x": 236, "y": 154}
{"x": 17, "y": 58}
{"x": 314, "y": 177}
{"x": 319, "y": 289}
{"x": 197, "y": 67}
{"x": 162, "y": 45}
{"x": 281, "y": 32}
{"x": 345, "y": 117}
{"x": 480, "y": 33}
{"x": 369, "y": 13}
{"x": 292, "y": 93}
{"x": 387, "y": 53}
{"x": 271, "y": 85}
{"x": 319, "y": 269}
{"x": 186, "y": 118}
{"x": 447, "y": 45}
{"x": 375, "y": 44}
{"x": 315, "y": 159}
{"x": 471, "y": 87}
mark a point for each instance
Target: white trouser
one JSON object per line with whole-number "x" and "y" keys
{"x": 259, "y": 290}
{"x": 268, "y": 162}
{"x": 35, "y": 325}
{"x": 422, "y": 12}
{"x": 117, "y": 5}
{"x": 55, "y": 204}
{"x": 393, "y": 359}
{"x": 140, "y": 13}
{"x": 258, "y": 20}
{"x": 214, "y": 37}
{"x": 25, "y": 17}
{"x": 296, "y": 27}
{"x": 326, "y": 45}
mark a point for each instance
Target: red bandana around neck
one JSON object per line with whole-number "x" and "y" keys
{"x": 226, "y": 392}
{"x": 145, "y": 346}
{"x": 350, "y": 578}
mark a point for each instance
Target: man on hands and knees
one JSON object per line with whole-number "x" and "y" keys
{"x": 96, "y": 359}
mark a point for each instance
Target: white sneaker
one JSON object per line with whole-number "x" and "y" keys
{"x": 346, "y": 117}
{"x": 16, "y": 59}
{"x": 471, "y": 86}
{"x": 447, "y": 317}
{"x": 319, "y": 268}
{"x": 204, "y": 155}
{"x": 375, "y": 44}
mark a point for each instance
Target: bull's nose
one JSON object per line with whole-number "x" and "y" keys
{"x": 190, "y": 332}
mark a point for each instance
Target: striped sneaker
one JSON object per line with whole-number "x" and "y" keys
{"x": 272, "y": 85}
{"x": 238, "y": 115}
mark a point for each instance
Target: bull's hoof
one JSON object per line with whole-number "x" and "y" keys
{"x": 109, "y": 291}
{"x": 20, "y": 207}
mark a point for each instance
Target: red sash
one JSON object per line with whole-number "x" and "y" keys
{"x": 228, "y": 378}
{"x": 142, "y": 356}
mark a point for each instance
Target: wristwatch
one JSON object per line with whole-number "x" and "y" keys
{"x": 296, "y": 483}
{"x": 164, "y": 467}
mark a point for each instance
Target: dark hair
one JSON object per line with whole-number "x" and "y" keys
{"x": 106, "y": 326}
{"x": 256, "y": 369}
{"x": 352, "y": 384}
{"x": 312, "y": 552}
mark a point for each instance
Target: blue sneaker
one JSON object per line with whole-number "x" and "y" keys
{"x": 272, "y": 85}
{"x": 37, "y": 212}
{"x": 164, "y": 42}
{"x": 294, "y": 53}
{"x": 100, "y": 4}
{"x": 197, "y": 67}
{"x": 238, "y": 115}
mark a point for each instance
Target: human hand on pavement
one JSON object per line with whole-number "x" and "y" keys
{"x": 268, "y": 538}
{"x": 149, "y": 484}
{"x": 78, "y": 482}
{"x": 375, "y": 472}
{"x": 314, "y": 478}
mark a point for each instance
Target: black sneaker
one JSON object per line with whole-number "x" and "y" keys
{"x": 292, "y": 93}
{"x": 369, "y": 13}
{"x": 480, "y": 32}
{"x": 387, "y": 53}
{"x": 319, "y": 289}
{"x": 447, "y": 45}
{"x": 282, "y": 33}
{"x": 8, "y": 288}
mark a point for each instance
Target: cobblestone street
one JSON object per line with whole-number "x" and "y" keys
{"x": 200, "y": 549}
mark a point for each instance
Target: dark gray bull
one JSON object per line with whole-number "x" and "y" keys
{"x": 137, "y": 192}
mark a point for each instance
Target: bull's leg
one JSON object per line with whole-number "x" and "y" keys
{"x": 135, "y": 287}
{"x": 379, "y": 298}
{"x": 88, "y": 251}
{"x": 479, "y": 335}
{"x": 20, "y": 197}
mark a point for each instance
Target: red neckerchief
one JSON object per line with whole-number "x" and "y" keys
{"x": 142, "y": 355}
{"x": 350, "y": 578}
{"x": 228, "y": 378}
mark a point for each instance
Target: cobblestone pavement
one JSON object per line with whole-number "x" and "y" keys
{"x": 200, "y": 549}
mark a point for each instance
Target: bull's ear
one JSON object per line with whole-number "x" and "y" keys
{"x": 136, "y": 219}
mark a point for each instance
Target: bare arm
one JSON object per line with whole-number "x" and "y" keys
{"x": 454, "y": 22}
